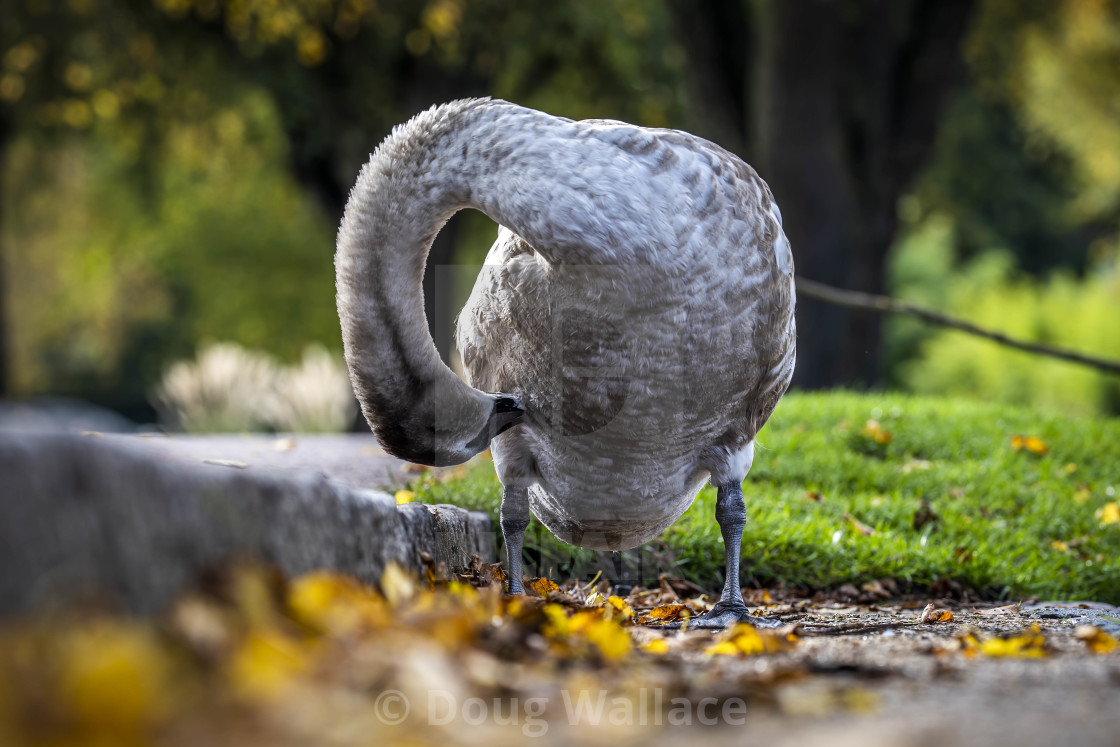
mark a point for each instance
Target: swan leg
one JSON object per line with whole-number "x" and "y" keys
{"x": 515, "y": 518}
{"x": 730, "y": 609}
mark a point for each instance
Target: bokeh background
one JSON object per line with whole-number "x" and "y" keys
{"x": 172, "y": 173}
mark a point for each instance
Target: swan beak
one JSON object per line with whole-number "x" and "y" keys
{"x": 507, "y": 413}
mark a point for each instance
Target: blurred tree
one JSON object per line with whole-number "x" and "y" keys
{"x": 344, "y": 72}
{"x": 66, "y": 67}
{"x": 146, "y": 98}
{"x": 836, "y": 103}
{"x": 1029, "y": 159}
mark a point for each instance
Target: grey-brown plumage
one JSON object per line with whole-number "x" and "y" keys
{"x": 635, "y": 315}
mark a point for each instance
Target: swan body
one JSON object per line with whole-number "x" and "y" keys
{"x": 631, "y": 331}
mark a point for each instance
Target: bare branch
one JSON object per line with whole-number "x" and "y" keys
{"x": 885, "y": 305}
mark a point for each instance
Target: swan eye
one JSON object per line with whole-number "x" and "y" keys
{"x": 503, "y": 405}
{"x": 507, "y": 413}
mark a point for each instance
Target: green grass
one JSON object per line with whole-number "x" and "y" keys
{"x": 999, "y": 511}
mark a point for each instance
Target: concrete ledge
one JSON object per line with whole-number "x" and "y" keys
{"x": 81, "y": 516}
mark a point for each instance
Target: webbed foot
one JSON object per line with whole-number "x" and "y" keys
{"x": 722, "y": 616}
{"x": 726, "y": 614}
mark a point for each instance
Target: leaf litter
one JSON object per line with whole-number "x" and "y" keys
{"x": 288, "y": 661}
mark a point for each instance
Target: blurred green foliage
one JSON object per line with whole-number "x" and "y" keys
{"x": 1063, "y": 309}
{"x": 122, "y": 263}
{"x": 1014, "y": 225}
{"x": 172, "y": 172}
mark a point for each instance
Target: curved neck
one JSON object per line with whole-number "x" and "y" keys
{"x": 417, "y": 407}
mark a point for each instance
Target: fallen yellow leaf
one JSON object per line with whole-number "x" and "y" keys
{"x": 670, "y": 612}
{"x": 397, "y": 585}
{"x": 542, "y": 586}
{"x": 745, "y": 640}
{"x": 931, "y": 615}
{"x": 1109, "y": 513}
{"x": 609, "y": 637}
{"x": 1033, "y": 444}
{"x": 115, "y": 676}
{"x": 404, "y": 496}
{"x": 559, "y": 624}
{"x": 876, "y": 432}
{"x": 1098, "y": 641}
{"x": 618, "y": 607}
{"x": 266, "y": 664}
{"x": 605, "y": 634}
{"x": 1028, "y": 645}
{"x": 658, "y": 646}
{"x": 331, "y": 602}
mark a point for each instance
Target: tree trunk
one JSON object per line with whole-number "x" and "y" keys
{"x": 5, "y": 349}
{"x": 841, "y": 106}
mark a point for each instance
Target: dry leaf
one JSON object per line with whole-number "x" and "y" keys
{"x": 858, "y": 525}
{"x": 670, "y": 613}
{"x": 1098, "y": 641}
{"x": 617, "y": 607}
{"x": 931, "y": 615}
{"x": 679, "y": 587}
{"x": 542, "y": 586}
{"x": 397, "y": 585}
{"x": 873, "y": 430}
{"x": 1008, "y": 609}
{"x": 284, "y": 444}
{"x": 914, "y": 464}
{"x": 114, "y": 676}
{"x": 226, "y": 463}
{"x": 266, "y": 665}
{"x": 404, "y": 496}
{"x": 924, "y": 515}
{"x": 745, "y": 640}
{"x": 1028, "y": 645}
{"x": 1109, "y": 513}
{"x": 1033, "y": 444}
{"x": 333, "y": 603}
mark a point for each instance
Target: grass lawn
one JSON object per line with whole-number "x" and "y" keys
{"x": 847, "y": 488}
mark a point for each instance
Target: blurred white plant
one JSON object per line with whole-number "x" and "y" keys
{"x": 229, "y": 389}
{"x": 314, "y": 396}
{"x": 225, "y": 390}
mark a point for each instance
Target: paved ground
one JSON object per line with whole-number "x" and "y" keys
{"x": 354, "y": 459}
{"x": 919, "y": 684}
